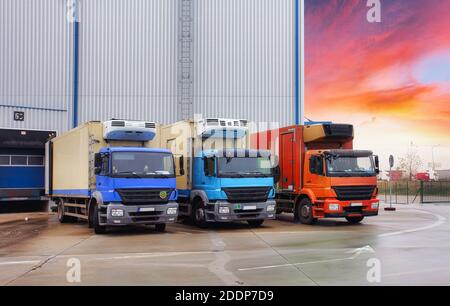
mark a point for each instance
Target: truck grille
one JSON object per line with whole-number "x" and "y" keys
{"x": 144, "y": 196}
{"x": 247, "y": 195}
{"x": 347, "y": 193}
{"x": 353, "y": 210}
{"x": 142, "y": 217}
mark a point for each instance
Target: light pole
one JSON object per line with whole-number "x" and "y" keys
{"x": 391, "y": 165}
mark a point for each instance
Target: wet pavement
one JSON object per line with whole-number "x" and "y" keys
{"x": 408, "y": 247}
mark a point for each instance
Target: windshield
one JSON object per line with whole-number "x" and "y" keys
{"x": 244, "y": 167}
{"x": 142, "y": 164}
{"x": 350, "y": 166}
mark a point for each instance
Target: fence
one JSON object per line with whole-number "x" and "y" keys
{"x": 406, "y": 192}
{"x": 435, "y": 192}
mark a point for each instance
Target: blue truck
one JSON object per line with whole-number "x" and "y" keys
{"x": 112, "y": 174}
{"x": 224, "y": 181}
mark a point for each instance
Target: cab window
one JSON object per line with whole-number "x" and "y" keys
{"x": 316, "y": 165}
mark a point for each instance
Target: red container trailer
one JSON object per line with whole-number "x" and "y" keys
{"x": 320, "y": 175}
{"x": 423, "y": 176}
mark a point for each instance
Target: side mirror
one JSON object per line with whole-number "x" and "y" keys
{"x": 320, "y": 166}
{"x": 206, "y": 167}
{"x": 276, "y": 174}
{"x": 98, "y": 163}
{"x": 377, "y": 164}
{"x": 181, "y": 165}
{"x": 98, "y": 160}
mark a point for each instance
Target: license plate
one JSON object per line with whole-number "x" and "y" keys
{"x": 249, "y": 207}
{"x": 146, "y": 209}
{"x": 356, "y": 204}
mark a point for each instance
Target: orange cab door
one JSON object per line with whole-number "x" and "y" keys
{"x": 314, "y": 179}
{"x": 287, "y": 161}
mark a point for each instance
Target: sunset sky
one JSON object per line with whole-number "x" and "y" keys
{"x": 390, "y": 79}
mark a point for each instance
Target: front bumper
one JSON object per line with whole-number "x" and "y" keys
{"x": 239, "y": 211}
{"x": 138, "y": 214}
{"x": 357, "y": 208}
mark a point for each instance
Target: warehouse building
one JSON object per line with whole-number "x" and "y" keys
{"x": 65, "y": 62}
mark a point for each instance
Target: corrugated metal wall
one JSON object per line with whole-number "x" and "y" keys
{"x": 244, "y": 59}
{"x": 35, "y": 64}
{"x": 128, "y": 60}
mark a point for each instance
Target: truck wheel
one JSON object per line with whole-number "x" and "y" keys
{"x": 160, "y": 227}
{"x": 354, "y": 220}
{"x": 305, "y": 212}
{"x": 61, "y": 216}
{"x": 98, "y": 229}
{"x": 255, "y": 223}
{"x": 198, "y": 214}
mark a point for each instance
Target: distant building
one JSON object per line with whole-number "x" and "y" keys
{"x": 397, "y": 175}
{"x": 443, "y": 175}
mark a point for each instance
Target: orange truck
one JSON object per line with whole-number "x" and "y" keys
{"x": 319, "y": 174}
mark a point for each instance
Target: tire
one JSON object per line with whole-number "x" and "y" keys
{"x": 160, "y": 227}
{"x": 198, "y": 214}
{"x": 304, "y": 212}
{"x": 91, "y": 214}
{"x": 255, "y": 223}
{"x": 98, "y": 229}
{"x": 354, "y": 220}
{"x": 62, "y": 218}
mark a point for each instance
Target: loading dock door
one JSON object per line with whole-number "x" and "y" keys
{"x": 22, "y": 174}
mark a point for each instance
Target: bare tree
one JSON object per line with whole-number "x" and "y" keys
{"x": 410, "y": 163}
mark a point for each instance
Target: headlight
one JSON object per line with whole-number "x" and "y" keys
{"x": 270, "y": 207}
{"x": 224, "y": 210}
{"x": 117, "y": 212}
{"x": 172, "y": 211}
{"x": 334, "y": 207}
{"x": 375, "y": 205}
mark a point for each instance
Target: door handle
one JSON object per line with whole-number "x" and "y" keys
{"x": 308, "y": 181}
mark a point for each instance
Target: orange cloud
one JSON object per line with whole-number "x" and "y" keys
{"x": 344, "y": 52}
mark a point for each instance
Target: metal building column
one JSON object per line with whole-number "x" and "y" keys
{"x": 185, "y": 58}
{"x": 76, "y": 57}
{"x": 299, "y": 62}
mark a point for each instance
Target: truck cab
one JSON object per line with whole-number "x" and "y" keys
{"x": 339, "y": 183}
{"x": 320, "y": 174}
{"x": 112, "y": 173}
{"x": 225, "y": 181}
{"x": 135, "y": 186}
{"x": 233, "y": 185}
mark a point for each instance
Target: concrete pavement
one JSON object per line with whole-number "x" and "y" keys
{"x": 410, "y": 245}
